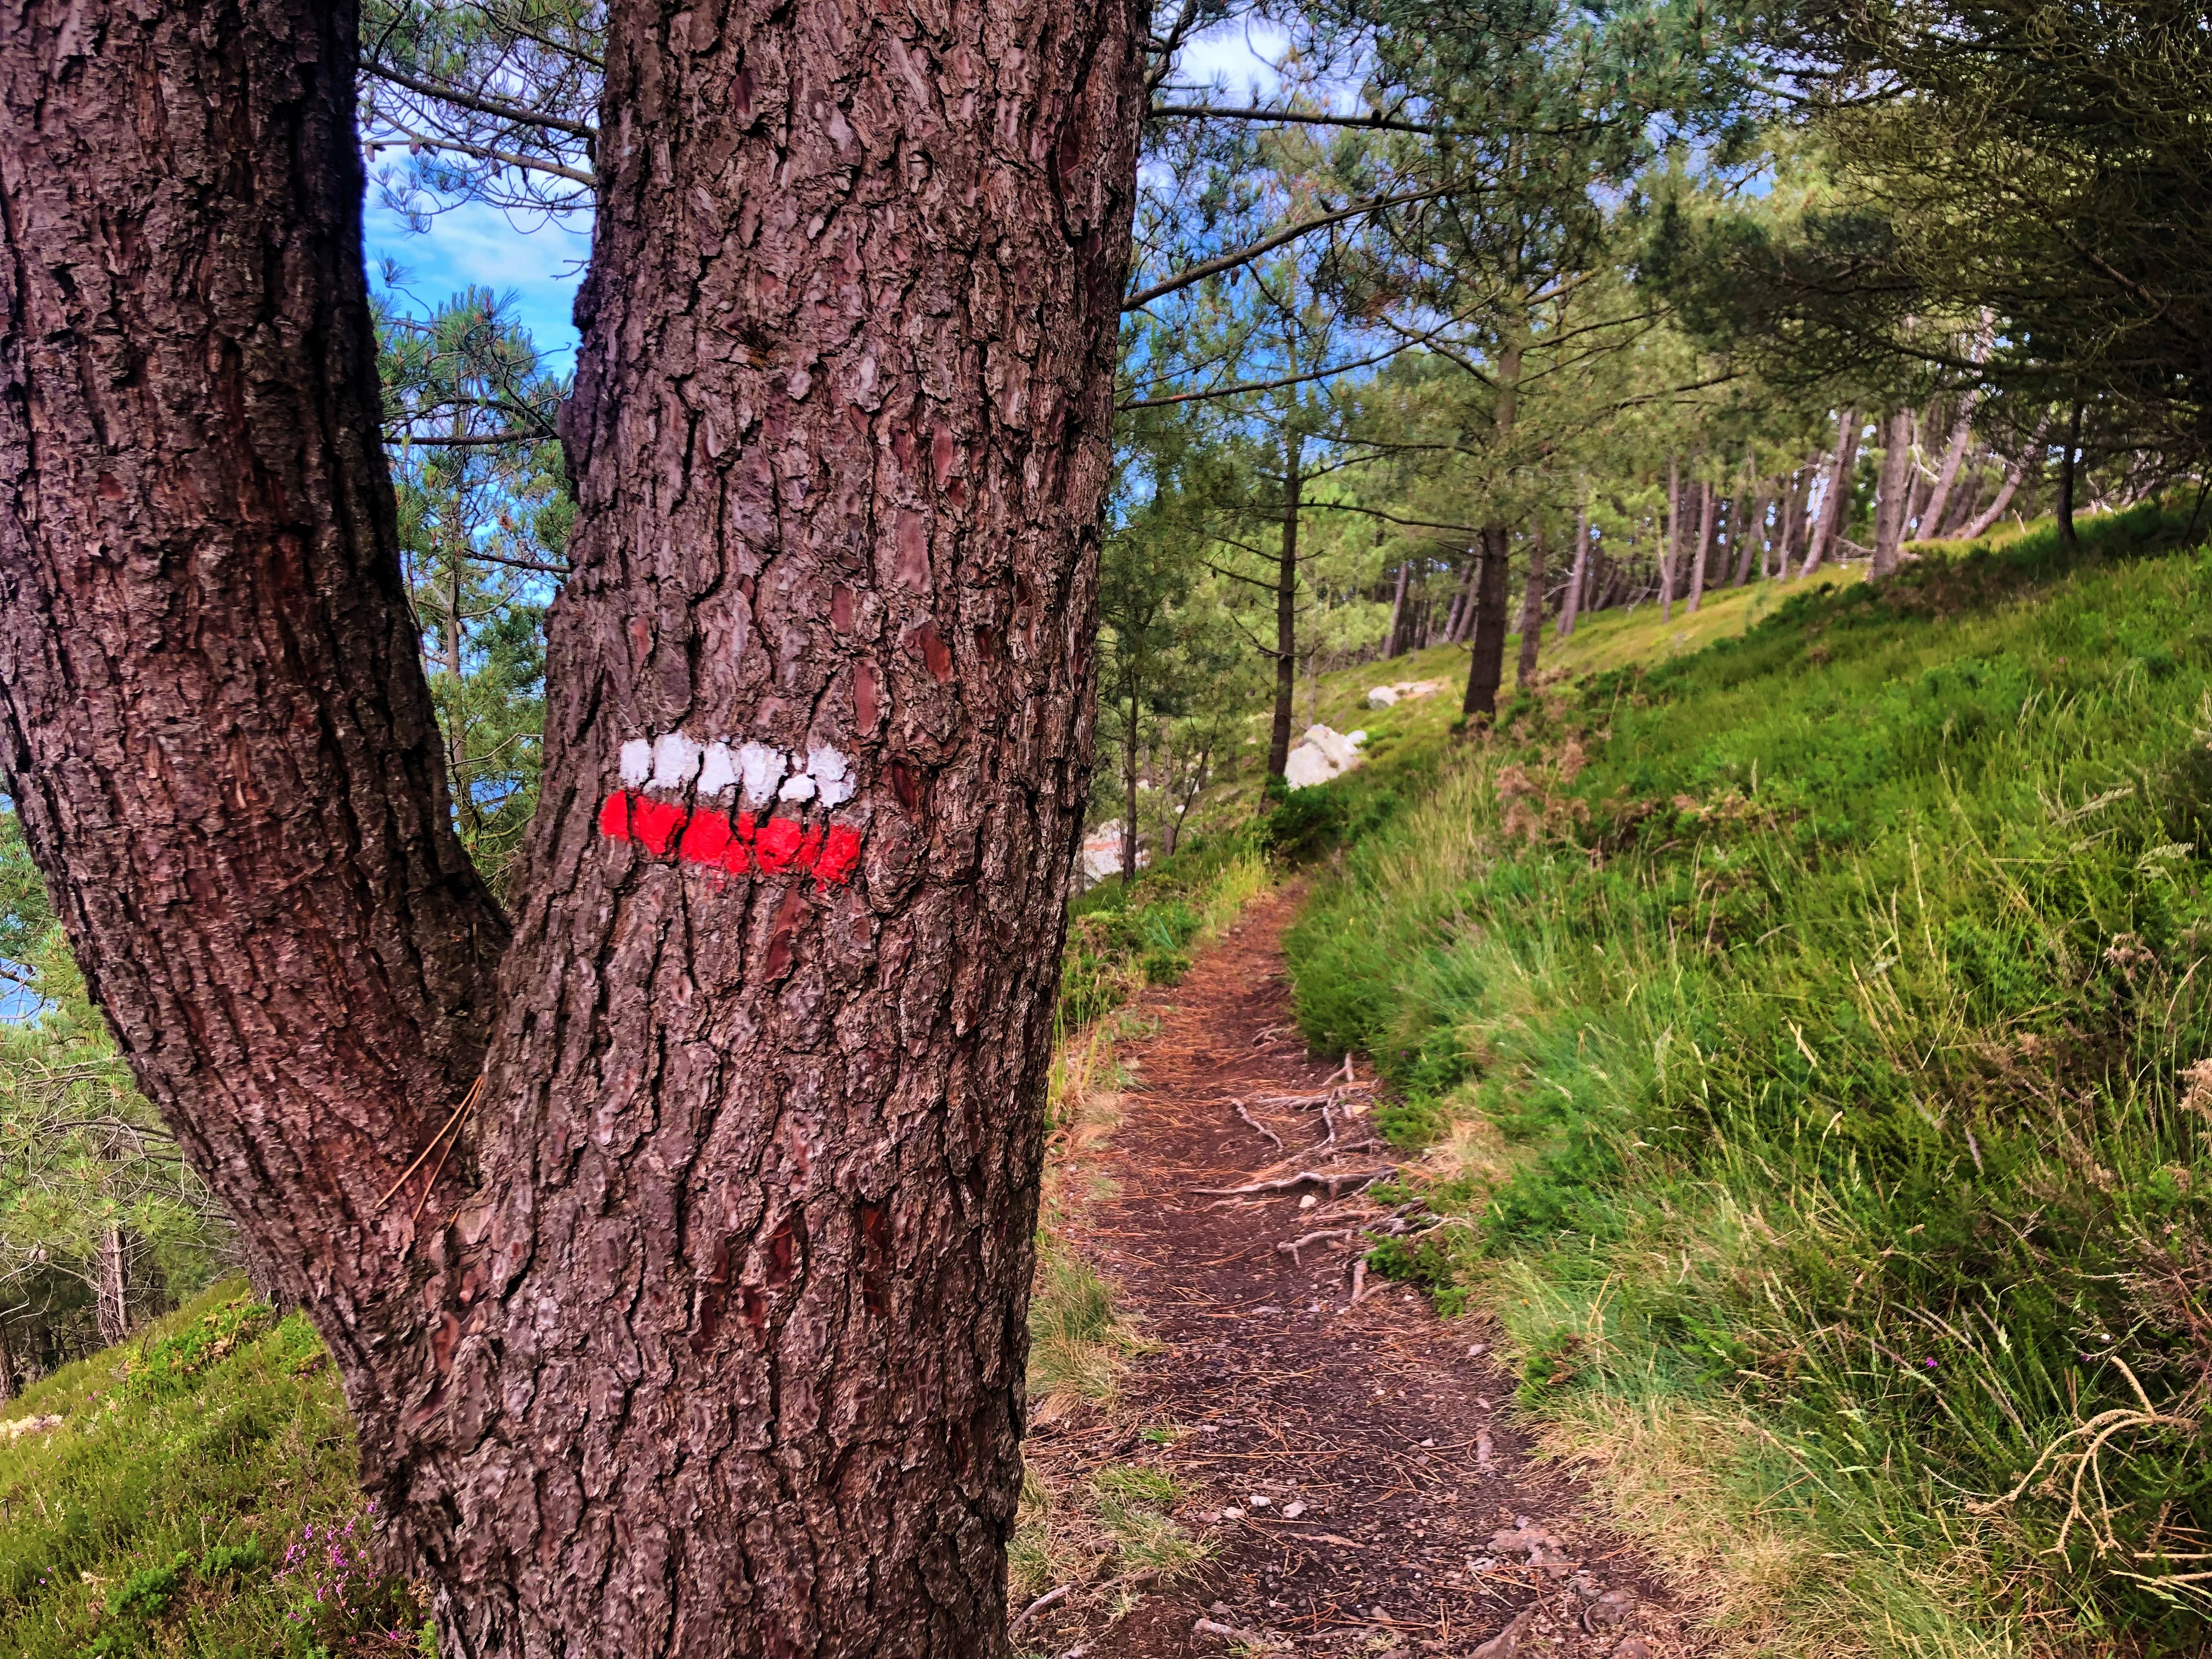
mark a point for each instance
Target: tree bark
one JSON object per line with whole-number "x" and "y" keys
{"x": 1286, "y": 611}
{"x": 2031, "y": 454}
{"x": 1532, "y": 607}
{"x": 1570, "y": 606}
{"x": 1749, "y": 535}
{"x": 1708, "y": 504}
{"x": 7, "y": 1366}
{"x": 1836, "y": 501}
{"x": 2068, "y": 469}
{"x": 1396, "y": 644}
{"x": 1129, "y": 792}
{"x": 1485, "y": 670}
{"x": 1891, "y": 492}
{"x": 1670, "y": 550}
{"x": 709, "y": 1339}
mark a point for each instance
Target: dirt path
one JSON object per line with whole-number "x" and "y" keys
{"x": 1356, "y": 1466}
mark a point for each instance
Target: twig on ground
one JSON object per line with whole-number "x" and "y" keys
{"x": 1261, "y": 1127}
{"x": 1050, "y": 1598}
{"x": 1293, "y": 1245}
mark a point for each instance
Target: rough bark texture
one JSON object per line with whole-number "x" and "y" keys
{"x": 213, "y": 717}
{"x": 710, "y": 1341}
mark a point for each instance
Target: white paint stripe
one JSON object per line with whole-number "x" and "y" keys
{"x": 718, "y": 773}
{"x": 636, "y": 761}
{"x": 762, "y": 768}
{"x": 675, "y": 761}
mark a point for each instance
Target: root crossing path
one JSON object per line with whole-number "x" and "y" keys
{"x": 1354, "y": 1464}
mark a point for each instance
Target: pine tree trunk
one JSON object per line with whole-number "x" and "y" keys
{"x": 1570, "y": 606}
{"x": 1890, "y": 501}
{"x": 2031, "y": 455}
{"x": 7, "y": 1366}
{"x": 709, "y": 1338}
{"x": 1485, "y": 670}
{"x": 1532, "y": 607}
{"x": 1286, "y": 613}
{"x": 1397, "y": 635}
{"x": 2069, "y": 470}
{"x": 111, "y": 1302}
{"x": 1749, "y": 535}
{"x": 1671, "y": 548}
{"x": 1129, "y": 792}
{"x": 1836, "y": 500}
{"x": 1708, "y": 506}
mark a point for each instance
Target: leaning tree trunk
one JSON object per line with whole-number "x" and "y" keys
{"x": 704, "y": 1333}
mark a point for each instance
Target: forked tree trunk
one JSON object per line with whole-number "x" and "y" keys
{"x": 708, "y": 1340}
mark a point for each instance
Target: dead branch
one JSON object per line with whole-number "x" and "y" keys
{"x": 1050, "y": 1598}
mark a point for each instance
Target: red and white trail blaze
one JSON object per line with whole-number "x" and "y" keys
{"x": 750, "y": 839}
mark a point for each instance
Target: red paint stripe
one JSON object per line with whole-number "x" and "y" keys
{"x": 710, "y": 839}
{"x": 614, "y": 817}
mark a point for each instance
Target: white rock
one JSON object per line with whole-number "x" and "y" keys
{"x": 1291, "y": 1512}
{"x": 1320, "y": 755}
{"x": 1307, "y": 1201}
{"x": 1257, "y": 1501}
{"x": 1380, "y": 697}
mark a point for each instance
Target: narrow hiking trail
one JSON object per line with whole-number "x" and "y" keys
{"x": 1355, "y": 1465}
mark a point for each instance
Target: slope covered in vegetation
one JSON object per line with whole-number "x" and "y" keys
{"x": 1809, "y": 1034}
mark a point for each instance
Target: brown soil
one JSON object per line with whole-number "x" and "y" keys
{"x": 1393, "y": 1428}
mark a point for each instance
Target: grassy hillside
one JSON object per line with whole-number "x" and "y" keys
{"x": 1807, "y": 1032}
{"x": 191, "y": 1492}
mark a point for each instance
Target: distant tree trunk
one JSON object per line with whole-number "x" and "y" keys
{"x": 1396, "y": 635}
{"x": 704, "y": 1335}
{"x": 1891, "y": 492}
{"x": 1947, "y": 476}
{"x": 1572, "y": 605}
{"x": 2069, "y": 468}
{"x": 1486, "y": 661}
{"x": 1190, "y": 795}
{"x": 1532, "y": 607}
{"x": 1286, "y": 611}
{"x": 1708, "y": 504}
{"x": 1129, "y": 792}
{"x": 2031, "y": 454}
{"x": 1836, "y": 503}
{"x": 1671, "y": 549}
{"x": 7, "y": 1366}
{"x": 1750, "y": 535}
{"x": 112, "y": 1303}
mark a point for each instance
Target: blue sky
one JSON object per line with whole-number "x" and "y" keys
{"x": 540, "y": 261}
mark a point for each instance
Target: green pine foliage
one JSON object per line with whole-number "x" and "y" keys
{"x": 1837, "y": 1000}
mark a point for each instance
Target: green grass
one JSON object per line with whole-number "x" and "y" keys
{"x": 1829, "y": 997}
{"x": 197, "y": 1497}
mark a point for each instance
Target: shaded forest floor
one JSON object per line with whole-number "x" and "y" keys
{"x": 1350, "y": 1467}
